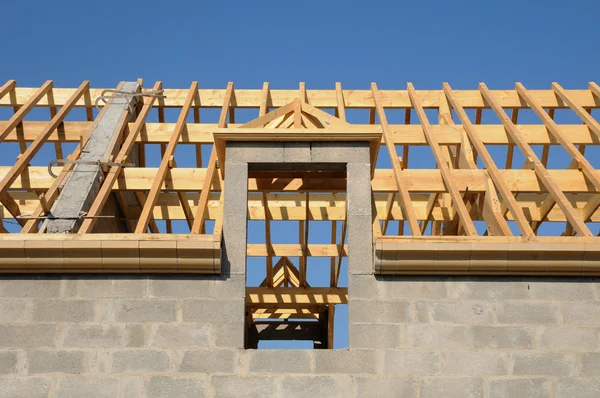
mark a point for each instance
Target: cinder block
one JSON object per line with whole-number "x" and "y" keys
{"x": 500, "y": 288}
{"x": 236, "y": 188}
{"x": 296, "y": 152}
{"x": 87, "y": 386}
{"x": 234, "y": 243}
{"x": 224, "y": 311}
{"x": 255, "y": 152}
{"x": 451, "y": 387}
{"x": 559, "y": 338}
{"x": 474, "y": 363}
{"x": 360, "y": 244}
{"x": 171, "y": 387}
{"x": 179, "y": 335}
{"x": 363, "y": 287}
{"x": 146, "y": 310}
{"x": 131, "y": 286}
{"x": 383, "y": 336}
{"x": 580, "y": 313}
{"x": 358, "y": 184}
{"x": 94, "y": 336}
{"x": 463, "y": 312}
{"x": 345, "y": 361}
{"x": 29, "y": 286}
{"x": 247, "y": 387}
{"x": 233, "y": 286}
{"x": 580, "y": 388}
{"x": 502, "y": 337}
{"x": 55, "y": 361}
{"x": 8, "y": 362}
{"x": 379, "y": 387}
{"x": 209, "y": 361}
{"x": 527, "y": 313}
{"x": 558, "y": 290}
{"x": 132, "y": 386}
{"x": 228, "y": 335}
{"x": 140, "y": 361}
{"x": 590, "y": 364}
{"x": 181, "y": 287}
{"x": 411, "y": 362}
{"x": 63, "y": 310}
{"x": 421, "y": 311}
{"x": 316, "y": 386}
{"x": 340, "y": 152}
{"x": 26, "y": 336}
{"x": 279, "y": 361}
{"x": 15, "y": 311}
{"x": 374, "y": 311}
{"x": 411, "y": 288}
{"x": 543, "y": 364}
{"x": 24, "y": 387}
{"x": 438, "y": 336}
{"x": 134, "y": 335}
{"x": 523, "y": 387}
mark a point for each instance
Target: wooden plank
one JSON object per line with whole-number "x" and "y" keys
{"x": 400, "y": 178}
{"x": 493, "y": 171}
{"x": 461, "y": 209}
{"x": 559, "y": 197}
{"x": 28, "y": 106}
{"x": 301, "y": 296}
{"x": 269, "y": 277}
{"x": 198, "y": 225}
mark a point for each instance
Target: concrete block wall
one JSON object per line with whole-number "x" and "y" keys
{"x": 170, "y": 336}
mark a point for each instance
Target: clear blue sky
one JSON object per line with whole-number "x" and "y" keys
{"x": 318, "y": 42}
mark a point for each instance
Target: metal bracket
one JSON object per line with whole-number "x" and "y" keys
{"x": 127, "y": 95}
{"x": 90, "y": 162}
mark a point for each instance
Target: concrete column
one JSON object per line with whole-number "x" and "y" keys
{"x": 84, "y": 181}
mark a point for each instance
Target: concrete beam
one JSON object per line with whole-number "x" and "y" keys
{"x": 85, "y": 180}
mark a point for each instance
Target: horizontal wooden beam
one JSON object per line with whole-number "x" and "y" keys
{"x": 296, "y": 296}
{"x": 213, "y": 98}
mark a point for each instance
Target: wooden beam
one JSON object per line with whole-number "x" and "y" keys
{"x": 17, "y": 118}
{"x": 296, "y": 296}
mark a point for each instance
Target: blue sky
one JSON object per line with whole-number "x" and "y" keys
{"x": 249, "y": 42}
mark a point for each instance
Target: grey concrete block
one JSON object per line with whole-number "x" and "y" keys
{"x": 29, "y": 286}
{"x": 524, "y": 387}
{"x": 411, "y": 288}
{"x": 8, "y": 362}
{"x": 502, "y": 337}
{"x": 24, "y": 387}
{"x": 438, "y": 336}
{"x": 255, "y": 152}
{"x": 15, "y": 311}
{"x": 140, "y": 361}
{"x": 421, "y": 311}
{"x": 236, "y": 186}
{"x": 234, "y": 244}
{"x": 411, "y": 362}
{"x": 225, "y": 311}
{"x": 279, "y": 361}
{"x": 340, "y": 152}
{"x": 474, "y": 363}
{"x": 209, "y": 361}
{"x": 527, "y": 313}
{"x": 87, "y": 386}
{"x": 360, "y": 245}
{"x": 543, "y": 364}
{"x": 580, "y": 388}
{"x": 498, "y": 289}
{"x": 247, "y": 387}
{"x": 463, "y": 312}
{"x": 379, "y": 387}
{"x": 559, "y": 290}
{"x": 181, "y": 287}
{"x": 345, "y": 361}
{"x": 230, "y": 287}
{"x": 590, "y": 364}
{"x": 358, "y": 200}
{"x": 371, "y": 335}
{"x": 135, "y": 335}
{"x": 112, "y": 287}
{"x": 580, "y": 313}
{"x": 178, "y": 335}
{"x": 55, "y": 362}
{"x": 296, "y": 152}
{"x": 450, "y": 387}
{"x": 558, "y": 338}
{"x": 27, "y": 336}
{"x": 363, "y": 287}
{"x": 132, "y": 386}
{"x": 94, "y": 336}
{"x": 63, "y": 310}
{"x": 171, "y": 387}
{"x": 316, "y": 386}
{"x": 146, "y": 311}
{"x": 228, "y": 335}
{"x": 374, "y": 311}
